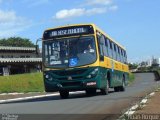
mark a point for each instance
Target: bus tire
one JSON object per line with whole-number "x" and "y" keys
{"x": 64, "y": 94}
{"x": 105, "y": 90}
{"x": 116, "y": 89}
{"x": 90, "y": 92}
{"x": 122, "y": 88}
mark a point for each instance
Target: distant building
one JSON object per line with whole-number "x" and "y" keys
{"x": 16, "y": 60}
{"x": 149, "y": 63}
{"x": 156, "y": 62}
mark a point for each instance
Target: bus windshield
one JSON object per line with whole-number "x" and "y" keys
{"x": 69, "y": 52}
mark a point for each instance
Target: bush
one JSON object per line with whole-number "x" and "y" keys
{"x": 32, "y": 82}
{"x": 131, "y": 78}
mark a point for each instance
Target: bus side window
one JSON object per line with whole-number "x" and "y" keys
{"x": 101, "y": 44}
{"x": 119, "y": 54}
{"x": 114, "y": 51}
{"x": 110, "y": 50}
{"x": 122, "y": 56}
{"x": 125, "y": 56}
{"x": 106, "y": 51}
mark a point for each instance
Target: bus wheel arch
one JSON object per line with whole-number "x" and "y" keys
{"x": 105, "y": 90}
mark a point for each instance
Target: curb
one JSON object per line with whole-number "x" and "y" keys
{"x": 16, "y": 93}
{"x": 32, "y": 97}
{"x": 136, "y": 107}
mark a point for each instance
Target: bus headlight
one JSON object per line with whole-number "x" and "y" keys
{"x": 89, "y": 76}
{"x": 93, "y": 73}
{"x": 48, "y": 77}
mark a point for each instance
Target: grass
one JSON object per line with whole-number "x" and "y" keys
{"x": 131, "y": 78}
{"x": 32, "y": 82}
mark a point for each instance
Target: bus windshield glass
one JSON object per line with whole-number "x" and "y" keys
{"x": 69, "y": 52}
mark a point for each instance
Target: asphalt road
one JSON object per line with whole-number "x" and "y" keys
{"x": 79, "y": 106}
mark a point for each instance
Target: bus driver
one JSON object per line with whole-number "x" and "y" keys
{"x": 89, "y": 49}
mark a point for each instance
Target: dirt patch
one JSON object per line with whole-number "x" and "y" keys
{"x": 152, "y": 106}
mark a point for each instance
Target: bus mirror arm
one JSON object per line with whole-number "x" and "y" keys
{"x": 37, "y": 46}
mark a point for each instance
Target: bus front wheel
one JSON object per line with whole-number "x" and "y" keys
{"x": 105, "y": 90}
{"x": 91, "y": 91}
{"x": 64, "y": 94}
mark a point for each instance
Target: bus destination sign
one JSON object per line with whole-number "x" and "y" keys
{"x": 68, "y": 31}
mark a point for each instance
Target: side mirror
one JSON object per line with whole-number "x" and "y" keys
{"x": 37, "y": 46}
{"x": 37, "y": 49}
{"x": 101, "y": 58}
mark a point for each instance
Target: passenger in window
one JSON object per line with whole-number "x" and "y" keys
{"x": 89, "y": 49}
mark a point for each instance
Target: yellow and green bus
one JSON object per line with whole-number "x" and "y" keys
{"x": 82, "y": 57}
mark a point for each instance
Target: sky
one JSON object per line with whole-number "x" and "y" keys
{"x": 134, "y": 24}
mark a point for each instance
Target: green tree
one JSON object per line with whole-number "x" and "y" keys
{"x": 132, "y": 66}
{"x": 16, "y": 42}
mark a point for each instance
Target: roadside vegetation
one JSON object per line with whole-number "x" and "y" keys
{"x": 32, "y": 82}
{"x": 16, "y": 42}
{"x": 131, "y": 78}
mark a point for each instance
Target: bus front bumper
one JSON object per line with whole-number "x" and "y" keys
{"x": 70, "y": 86}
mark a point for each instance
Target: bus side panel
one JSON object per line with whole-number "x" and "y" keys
{"x": 116, "y": 71}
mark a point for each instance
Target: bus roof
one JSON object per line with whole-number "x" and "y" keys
{"x": 94, "y": 26}
{"x": 97, "y": 28}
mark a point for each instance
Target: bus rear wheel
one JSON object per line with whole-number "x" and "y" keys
{"x": 116, "y": 89}
{"x": 64, "y": 94}
{"x": 120, "y": 88}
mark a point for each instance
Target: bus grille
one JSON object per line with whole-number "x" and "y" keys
{"x": 69, "y": 72}
{"x": 66, "y": 84}
{"x": 73, "y": 78}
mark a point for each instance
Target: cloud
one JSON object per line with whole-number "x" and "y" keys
{"x": 71, "y": 13}
{"x": 96, "y": 11}
{"x": 33, "y": 3}
{"x": 90, "y": 7}
{"x": 7, "y": 16}
{"x": 63, "y": 14}
{"x": 11, "y": 24}
{"x": 113, "y": 8}
{"x": 98, "y": 2}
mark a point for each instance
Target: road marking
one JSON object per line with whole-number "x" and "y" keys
{"x": 34, "y": 97}
{"x": 153, "y": 93}
{"x": 129, "y": 113}
{"x": 144, "y": 101}
{"x": 134, "y": 108}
